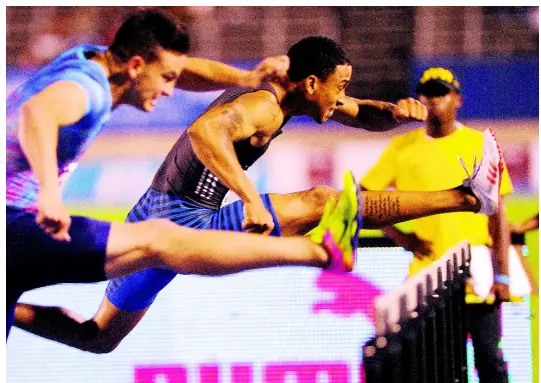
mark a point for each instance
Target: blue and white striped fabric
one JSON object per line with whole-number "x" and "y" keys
{"x": 137, "y": 291}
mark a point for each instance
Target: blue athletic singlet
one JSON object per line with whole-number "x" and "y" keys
{"x": 187, "y": 193}
{"x": 74, "y": 66}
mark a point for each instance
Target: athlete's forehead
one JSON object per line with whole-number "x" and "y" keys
{"x": 169, "y": 61}
{"x": 341, "y": 74}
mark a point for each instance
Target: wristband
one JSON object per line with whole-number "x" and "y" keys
{"x": 503, "y": 279}
{"x": 517, "y": 239}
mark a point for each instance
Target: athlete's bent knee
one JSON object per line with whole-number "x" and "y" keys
{"x": 154, "y": 233}
{"x": 321, "y": 193}
{"x": 95, "y": 340}
{"x": 103, "y": 348}
{"x": 162, "y": 237}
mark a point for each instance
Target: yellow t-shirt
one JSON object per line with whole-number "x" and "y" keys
{"x": 418, "y": 162}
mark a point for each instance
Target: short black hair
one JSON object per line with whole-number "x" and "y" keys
{"x": 145, "y": 32}
{"x": 315, "y": 55}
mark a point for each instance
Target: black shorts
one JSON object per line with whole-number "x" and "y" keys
{"x": 34, "y": 259}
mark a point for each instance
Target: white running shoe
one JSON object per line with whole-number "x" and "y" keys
{"x": 486, "y": 177}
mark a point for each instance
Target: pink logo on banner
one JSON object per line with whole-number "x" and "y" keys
{"x": 169, "y": 374}
{"x": 352, "y": 295}
{"x": 240, "y": 373}
{"x": 208, "y": 373}
{"x": 302, "y": 372}
{"x": 307, "y": 372}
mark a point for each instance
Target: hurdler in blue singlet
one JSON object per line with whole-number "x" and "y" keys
{"x": 33, "y": 258}
{"x": 73, "y": 66}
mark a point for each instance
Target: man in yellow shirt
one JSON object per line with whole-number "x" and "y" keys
{"x": 426, "y": 159}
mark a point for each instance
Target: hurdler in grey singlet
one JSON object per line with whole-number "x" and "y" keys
{"x": 187, "y": 193}
{"x": 182, "y": 174}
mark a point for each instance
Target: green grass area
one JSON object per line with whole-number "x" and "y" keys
{"x": 519, "y": 208}
{"x": 104, "y": 213}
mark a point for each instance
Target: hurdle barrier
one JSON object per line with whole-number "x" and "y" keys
{"x": 420, "y": 326}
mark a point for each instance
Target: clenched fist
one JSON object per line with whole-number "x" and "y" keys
{"x": 409, "y": 109}
{"x": 53, "y": 216}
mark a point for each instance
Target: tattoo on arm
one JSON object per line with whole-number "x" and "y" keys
{"x": 231, "y": 118}
{"x": 381, "y": 208}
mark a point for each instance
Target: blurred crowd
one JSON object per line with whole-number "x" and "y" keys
{"x": 384, "y": 43}
{"x": 36, "y": 34}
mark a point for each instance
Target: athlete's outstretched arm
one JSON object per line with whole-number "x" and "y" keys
{"x": 206, "y": 75}
{"x": 101, "y": 334}
{"x": 60, "y": 104}
{"x": 379, "y": 116}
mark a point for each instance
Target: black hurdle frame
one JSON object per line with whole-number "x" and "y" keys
{"x": 427, "y": 345}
